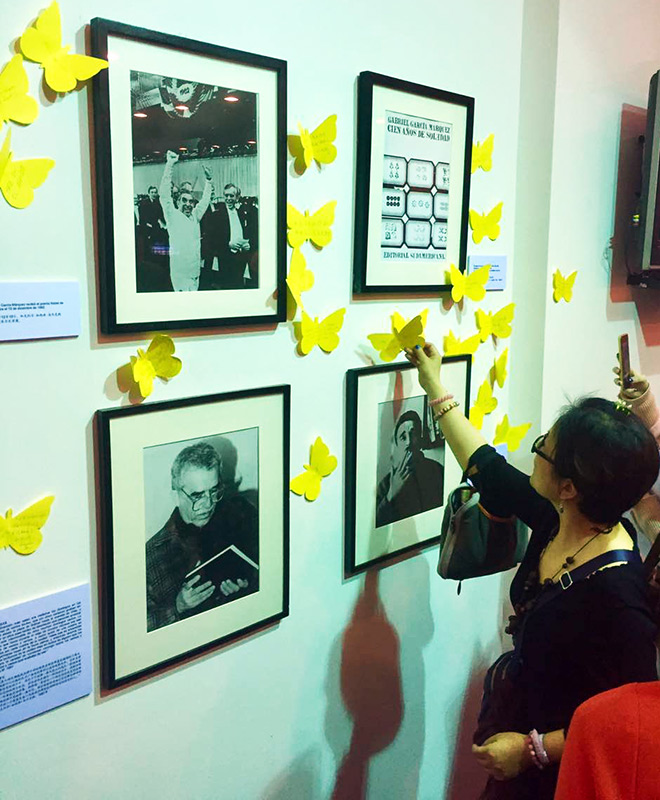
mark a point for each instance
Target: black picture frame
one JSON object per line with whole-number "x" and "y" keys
{"x": 368, "y": 541}
{"x": 143, "y": 630}
{"x": 436, "y": 234}
{"x": 137, "y": 273}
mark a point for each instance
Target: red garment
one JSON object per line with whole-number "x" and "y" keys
{"x": 611, "y": 752}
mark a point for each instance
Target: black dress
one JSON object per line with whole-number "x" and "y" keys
{"x": 594, "y": 636}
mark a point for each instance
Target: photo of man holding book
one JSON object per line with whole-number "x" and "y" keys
{"x": 207, "y": 551}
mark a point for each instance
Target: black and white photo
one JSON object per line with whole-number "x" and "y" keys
{"x": 412, "y": 184}
{"x": 410, "y": 470}
{"x": 190, "y": 147}
{"x": 398, "y": 470}
{"x": 202, "y": 499}
{"x": 194, "y": 502}
{"x": 196, "y": 185}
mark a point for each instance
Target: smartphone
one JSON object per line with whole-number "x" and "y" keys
{"x": 624, "y": 361}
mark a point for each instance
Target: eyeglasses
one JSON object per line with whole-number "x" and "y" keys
{"x": 537, "y": 444}
{"x": 213, "y": 494}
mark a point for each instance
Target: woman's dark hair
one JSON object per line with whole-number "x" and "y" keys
{"x": 608, "y": 453}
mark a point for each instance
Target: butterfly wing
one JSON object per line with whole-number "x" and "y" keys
{"x": 386, "y": 344}
{"x": 498, "y": 372}
{"x": 24, "y": 529}
{"x": 160, "y": 353}
{"x": 570, "y": 281}
{"x": 563, "y": 287}
{"x": 475, "y": 283}
{"x": 511, "y": 435}
{"x": 502, "y": 321}
{"x": 309, "y": 333}
{"x": 492, "y": 222}
{"x": 15, "y": 103}
{"x": 308, "y": 483}
{"x": 43, "y": 41}
{"x": 306, "y": 144}
{"x": 482, "y": 154}
{"x": 501, "y": 431}
{"x": 457, "y": 347}
{"x": 457, "y": 279}
{"x": 484, "y": 324}
{"x": 320, "y": 230}
{"x": 19, "y": 179}
{"x": 300, "y": 279}
{"x": 322, "y": 141}
{"x": 4, "y": 533}
{"x": 328, "y": 337}
{"x": 298, "y": 226}
{"x": 477, "y": 223}
{"x": 143, "y": 373}
{"x": 412, "y": 334}
{"x": 321, "y": 461}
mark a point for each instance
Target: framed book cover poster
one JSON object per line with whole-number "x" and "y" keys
{"x": 412, "y": 185}
{"x": 190, "y": 179}
{"x": 396, "y": 489}
{"x": 194, "y": 538}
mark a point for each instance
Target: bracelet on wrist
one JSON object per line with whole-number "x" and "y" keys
{"x": 439, "y": 400}
{"x": 539, "y": 754}
{"x": 442, "y": 410}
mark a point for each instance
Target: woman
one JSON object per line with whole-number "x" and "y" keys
{"x": 595, "y": 463}
{"x": 611, "y": 751}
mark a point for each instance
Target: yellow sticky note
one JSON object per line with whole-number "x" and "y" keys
{"x": 510, "y": 435}
{"x": 497, "y": 324}
{"x": 19, "y": 179}
{"x": 404, "y": 334}
{"x": 482, "y": 154}
{"x": 498, "y": 371}
{"x": 316, "y": 227}
{"x": 485, "y": 403}
{"x": 453, "y": 346}
{"x": 486, "y": 224}
{"x": 300, "y": 279}
{"x": 157, "y": 362}
{"x": 315, "y": 146}
{"x": 321, "y": 464}
{"x": 472, "y": 286}
{"x": 23, "y": 532}
{"x": 325, "y": 334}
{"x": 563, "y": 287}
{"x": 43, "y": 43}
{"x": 15, "y": 102}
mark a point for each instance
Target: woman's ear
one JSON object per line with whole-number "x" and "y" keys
{"x": 567, "y": 490}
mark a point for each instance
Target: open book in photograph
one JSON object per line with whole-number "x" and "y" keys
{"x": 230, "y": 564}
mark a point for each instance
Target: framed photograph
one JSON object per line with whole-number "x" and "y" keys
{"x": 414, "y": 151}
{"x": 396, "y": 489}
{"x": 190, "y": 155}
{"x": 195, "y": 526}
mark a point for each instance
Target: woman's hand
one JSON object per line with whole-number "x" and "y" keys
{"x": 428, "y": 360}
{"x": 635, "y": 388}
{"x": 504, "y": 756}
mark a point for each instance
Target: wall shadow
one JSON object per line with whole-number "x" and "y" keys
{"x": 375, "y": 719}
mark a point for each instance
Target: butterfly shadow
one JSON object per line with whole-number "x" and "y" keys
{"x": 297, "y": 167}
{"x": 120, "y": 384}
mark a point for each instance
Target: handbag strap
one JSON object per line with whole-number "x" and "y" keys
{"x": 568, "y": 578}
{"x": 651, "y": 560}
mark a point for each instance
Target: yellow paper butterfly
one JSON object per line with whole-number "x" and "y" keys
{"x": 43, "y": 44}
{"x": 482, "y": 154}
{"x": 321, "y": 464}
{"x": 157, "y": 362}
{"x": 15, "y": 102}
{"x": 19, "y": 179}
{"x": 498, "y": 324}
{"x": 325, "y": 334}
{"x": 318, "y": 145}
{"x": 472, "y": 286}
{"x": 510, "y": 435}
{"x": 486, "y": 224}
{"x": 22, "y": 532}
{"x": 300, "y": 279}
{"x": 563, "y": 287}
{"x": 404, "y": 334}
{"x": 498, "y": 371}
{"x": 458, "y": 347}
{"x": 314, "y": 227}
{"x": 485, "y": 403}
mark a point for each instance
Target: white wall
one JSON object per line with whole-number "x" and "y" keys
{"x": 264, "y": 718}
{"x": 606, "y": 56}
